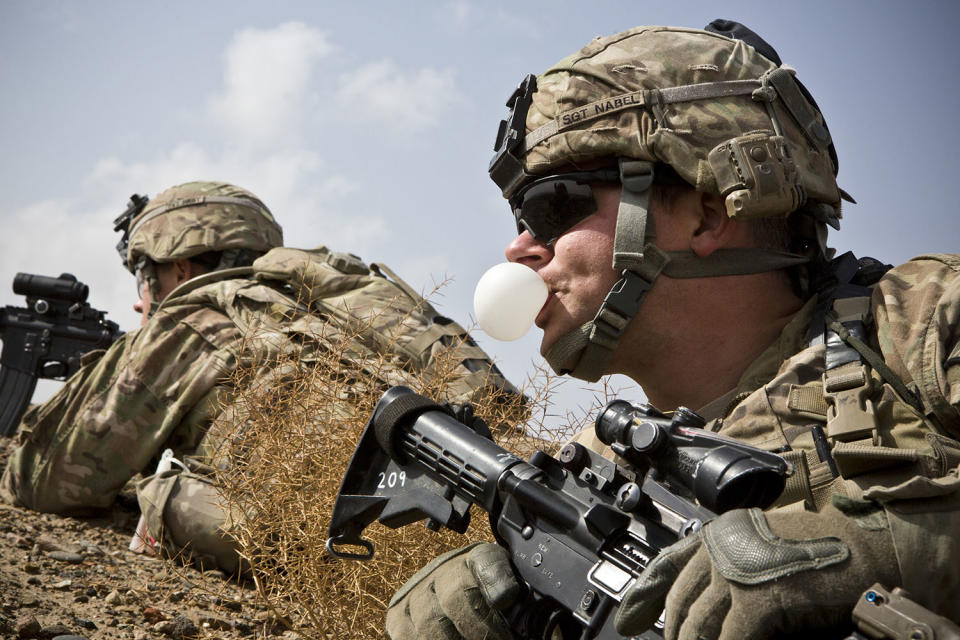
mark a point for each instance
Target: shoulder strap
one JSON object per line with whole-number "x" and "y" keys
{"x": 840, "y": 323}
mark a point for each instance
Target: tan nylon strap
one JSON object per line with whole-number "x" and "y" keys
{"x": 634, "y": 225}
{"x": 199, "y": 200}
{"x": 382, "y": 269}
{"x": 469, "y": 352}
{"x": 845, "y": 377}
{"x": 812, "y": 481}
{"x": 567, "y": 347}
{"x": 852, "y": 309}
{"x": 797, "y": 487}
{"x": 430, "y": 335}
{"x": 729, "y": 262}
{"x": 593, "y": 363}
{"x": 808, "y": 399}
{"x": 475, "y": 380}
{"x": 876, "y": 361}
{"x": 823, "y": 494}
{"x": 635, "y": 100}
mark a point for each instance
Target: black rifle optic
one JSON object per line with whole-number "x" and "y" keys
{"x": 46, "y": 339}
{"x": 579, "y": 528}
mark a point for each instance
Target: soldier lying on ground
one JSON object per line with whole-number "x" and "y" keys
{"x": 216, "y": 291}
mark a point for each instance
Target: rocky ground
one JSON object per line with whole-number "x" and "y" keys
{"x": 72, "y": 578}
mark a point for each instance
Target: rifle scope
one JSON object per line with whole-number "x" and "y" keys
{"x": 723, "y": 473}
{"x": 65, "y": 288}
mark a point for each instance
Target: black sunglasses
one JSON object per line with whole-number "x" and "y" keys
{"x": 550, "y": 206}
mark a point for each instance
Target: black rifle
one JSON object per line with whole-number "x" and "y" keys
{"x": 579, "y": 528}
{"x": 46, "y": 339}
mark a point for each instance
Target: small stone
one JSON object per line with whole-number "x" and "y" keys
{"x": 49, "y": 543}
{"x": 27, "y": 626}
{"x": 20, "y": 542}
{"x": 31, "y": 567}
{"x": 139, "y": 634}
{"x": 242, "y": 628}
{"x": 34, "y": 580}
{"x": 152, "y": 615}
{"x": 231, "y": 605}
{"x": 81, "y": 599}
{"x": 86, "y": 624}
{"x": 114, "y": 597}
{"x": 29, "y": 601}
{"x": 66, "y": 556}
{"x": 92, "y": 592}
{"x": 176, "y": 596}
{"x": 63, "y": 585}
{"x": 213, "y": 622}
{"x": 55, "y": 630}
{"x": 166, "y": 627}
{"x": 68, "y": 637}
{"x": 131, "y": 597}
{"x": 183, "y": 627}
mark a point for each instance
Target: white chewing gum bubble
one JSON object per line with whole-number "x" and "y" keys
{"x": 507, "y": 300}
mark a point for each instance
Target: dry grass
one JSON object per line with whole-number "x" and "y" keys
{"x": 293, "y": 428}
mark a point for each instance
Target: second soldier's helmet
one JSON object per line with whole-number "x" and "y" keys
{"x": 197, "y": 218}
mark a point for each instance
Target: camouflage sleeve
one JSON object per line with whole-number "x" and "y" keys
{"x": 917, "y": 310}
{"x": 153, "y": 389}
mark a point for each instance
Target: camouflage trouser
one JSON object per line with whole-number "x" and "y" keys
{"x": 185, "y": 514}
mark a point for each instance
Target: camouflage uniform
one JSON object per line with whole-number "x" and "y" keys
{"x": 166, "y": 385}
{"x": 912, "y": 468}
{"x": 859, "y": 392}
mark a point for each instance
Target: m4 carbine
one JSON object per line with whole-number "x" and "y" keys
{"x": 579, "y": 528}
{"x": 45, "y": 339}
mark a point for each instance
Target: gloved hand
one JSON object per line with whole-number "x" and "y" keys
{"x": 456, "y": 596}
{"x": 748, "y": 574}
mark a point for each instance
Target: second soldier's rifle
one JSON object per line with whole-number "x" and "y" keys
{"x": 579, "y": 528}
{"x": 45, "y": 339}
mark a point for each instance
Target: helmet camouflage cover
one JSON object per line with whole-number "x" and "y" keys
{"x": 727, "y": 119}
{"x": 200, "y": 217}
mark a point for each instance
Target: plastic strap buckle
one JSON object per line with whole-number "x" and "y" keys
{"x": 850, "y": 414}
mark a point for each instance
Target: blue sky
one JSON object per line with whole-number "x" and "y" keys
{"x": 368, "y": 126}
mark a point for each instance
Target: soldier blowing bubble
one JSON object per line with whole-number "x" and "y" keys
{"x": 683, "y": 240}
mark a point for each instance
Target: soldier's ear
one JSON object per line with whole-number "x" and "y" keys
{"x": 184, "y": 269}
{"x": 716, "y": 229}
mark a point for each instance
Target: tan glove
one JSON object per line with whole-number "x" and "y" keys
{"x": 753, "y": 575}
{"x": 456, "y": 596}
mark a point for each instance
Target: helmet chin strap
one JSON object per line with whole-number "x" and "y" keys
{"x": 590, "y": 346}
{"x": 585, "y": 352}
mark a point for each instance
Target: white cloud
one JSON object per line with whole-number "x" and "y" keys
{"x": 382, "y": 95}
{"x": 270, "y": 85}
{"x": 267, "y": 79}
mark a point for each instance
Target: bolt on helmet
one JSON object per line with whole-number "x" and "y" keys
{"x": 192, "y": 219}
{"x": 723, "y": 117}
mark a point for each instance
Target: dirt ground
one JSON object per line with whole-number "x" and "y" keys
{"x": 70, "y": 578}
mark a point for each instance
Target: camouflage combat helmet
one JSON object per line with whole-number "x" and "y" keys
{"x": 725, "y": 117}
{"x": 196, "y": 218}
